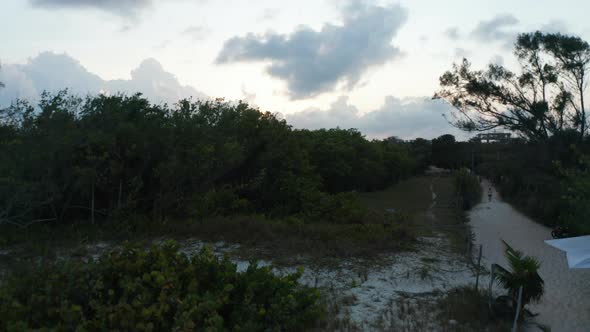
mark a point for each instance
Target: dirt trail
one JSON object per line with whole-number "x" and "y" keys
{"x": 566, "y": 303}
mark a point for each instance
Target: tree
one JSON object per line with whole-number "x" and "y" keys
{"x": 120, "y": 157}
{"x": 445, "y": 152}
{"x": 576, "y": 196}
{"x": 523, "y": 272}
{"x": 545, "y": 98}
{"x": 572, "y": 56}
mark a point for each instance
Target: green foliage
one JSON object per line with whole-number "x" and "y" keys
{"x": 469, "y": 310}
{"x": 101, "y": 157}
{"x": 526, "y": 176}
{"x": 449, "y": 154}
{"x": 346, "y": 161}
{"x": 158, "y": 289}
{"x": 576, "y": 196}
{"x": 523, "y": 272}
{"x": 468, "y": 188}
{"x": 544, "y": 99}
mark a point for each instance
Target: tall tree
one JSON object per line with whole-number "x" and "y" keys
{"x": 545, "y": 98}
{"x": 572, "y": 57}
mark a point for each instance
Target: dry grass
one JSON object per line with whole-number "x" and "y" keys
{"x": 461, "y": 309}
{"x": 275, "y": 239}
{"x": 413, "y": 197}
{"x": 278, "y": 239}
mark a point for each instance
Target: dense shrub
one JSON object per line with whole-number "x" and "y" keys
{"x": 72, "y": 159}
{"x": 526, "y": 176}
{"x": 576, "y": 197}
{"x": 468, "y": 188}
{"x": 158, "y": 289}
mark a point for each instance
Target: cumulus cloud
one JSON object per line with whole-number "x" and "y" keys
{"x": 249, "y": 97}
{"x": 154, "y": 82}
{"x": 555, "y": 26}
{"x": 461, "y": 53}
{"x": 269, "y": 14}
{"x": 497, "y": 60}
{"x": 496, "y": 29}
{"x": 53, "y": 72}
{"x": 119, "y": 7}
{"x": 312, "y": 62}
{"x": 196, "y": 32}
{"x": 406, "y": 118}
{"x": 453, "y": 33}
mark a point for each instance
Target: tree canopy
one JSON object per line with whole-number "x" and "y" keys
{"x": 545, "y": 98}
{"x": 74, "y": 158}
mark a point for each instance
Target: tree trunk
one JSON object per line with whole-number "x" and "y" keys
{"x": 582, "y": 110}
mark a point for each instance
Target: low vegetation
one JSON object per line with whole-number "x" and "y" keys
{"x": 118, "y": 161}
{"x": 156, "y": 289}
{"x": 468, "y": 188}
{"x": 467, "y": 309}
{"x": 523, "y": 272}
{"x": 546, "y": 181}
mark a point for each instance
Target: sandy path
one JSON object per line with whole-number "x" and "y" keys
{"x": 566, "y": 303}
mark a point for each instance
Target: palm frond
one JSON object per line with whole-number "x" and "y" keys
{"x": 523, "y": 272}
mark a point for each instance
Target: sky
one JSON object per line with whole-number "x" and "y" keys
{"x": 371, "y": 65}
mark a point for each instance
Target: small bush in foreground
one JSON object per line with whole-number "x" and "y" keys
{"x": 158, "y": 289}
{"x": 465, "y": 309}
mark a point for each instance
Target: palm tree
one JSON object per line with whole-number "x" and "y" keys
{"x": 523, "y": 272}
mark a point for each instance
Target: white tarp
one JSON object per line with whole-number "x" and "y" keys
{"x": 577, "y": 250}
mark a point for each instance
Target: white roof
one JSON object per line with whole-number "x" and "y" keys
{"x": 577, "y": 250}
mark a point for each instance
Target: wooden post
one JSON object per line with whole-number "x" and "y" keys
{"x": 517, "y": 309}
{"x": 478, "y": 268}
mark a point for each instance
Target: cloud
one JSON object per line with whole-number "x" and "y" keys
{"x": 406, "y": 118}
{"x": 269, "y": 14}
{"x": 119, "y": 7}
{"x": 461, "y": 53}
{"x": 497, "y": 60}
{"x": 312, "y": 62}
{"x": 495, "y": 30}
{"x": 163, "y": 45}
{"x": 125, "y": 28}
{"x": 453, "y": 33}
{"x": 555, "y": 26}
{"x": 249, "y": 97}
{"x": 154, "y": 82}
{"x": 196, "y": 32}
{"x": 53, "y": 72}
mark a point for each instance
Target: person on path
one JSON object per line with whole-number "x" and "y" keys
{"x": 490, "y": 194}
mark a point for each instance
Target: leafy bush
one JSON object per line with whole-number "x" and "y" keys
{"x": 158, "y": 289}
{"x": 523, "y": 273}
{"x": 221, "y": 202}
{"x": 576, "y": 197}
{"x": 341, "y": 208}
{"x": 105, "y": 154}
{"x": 468, "y": 188}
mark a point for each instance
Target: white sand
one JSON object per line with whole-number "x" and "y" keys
{"x": 566, "y": 303}
{"x": 374, "y": 285}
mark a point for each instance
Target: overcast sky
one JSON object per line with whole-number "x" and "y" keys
{"x": 372, "y": 65}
